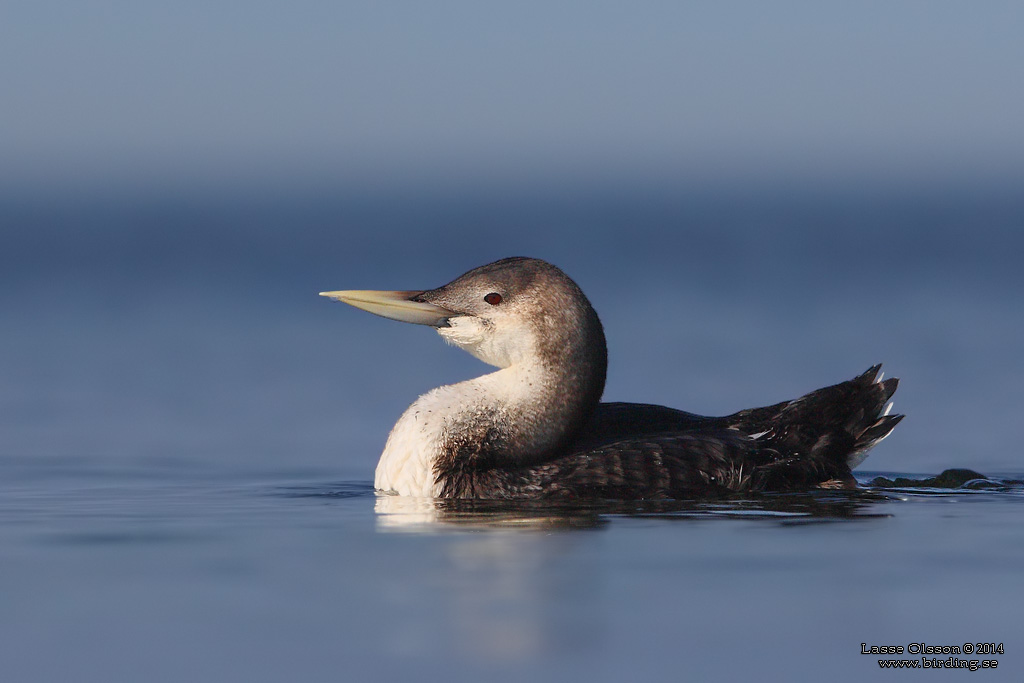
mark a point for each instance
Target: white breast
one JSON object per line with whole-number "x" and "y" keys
{"x": 406, "y": 466}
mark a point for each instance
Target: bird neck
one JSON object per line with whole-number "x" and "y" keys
{"x": 518, "y": 416}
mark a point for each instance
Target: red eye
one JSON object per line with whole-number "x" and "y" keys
{"x": 493, "y": 298}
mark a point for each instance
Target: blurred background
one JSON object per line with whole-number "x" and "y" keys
{"x": 760, "y": 199}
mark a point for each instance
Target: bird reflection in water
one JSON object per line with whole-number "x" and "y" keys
{"x": 405, "y": 513}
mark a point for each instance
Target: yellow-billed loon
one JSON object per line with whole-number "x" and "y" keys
{"x": 536, "y": 427}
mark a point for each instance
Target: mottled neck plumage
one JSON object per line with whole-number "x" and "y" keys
{"x": 528, "y": 412}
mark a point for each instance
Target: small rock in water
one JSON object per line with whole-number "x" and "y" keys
{"x": 949, "y": 479}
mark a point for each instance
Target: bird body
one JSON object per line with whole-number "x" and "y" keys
{"x": 536, "y": 428}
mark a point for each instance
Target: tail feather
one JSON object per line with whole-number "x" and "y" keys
{"x": 878, "y": 431}
{"x": 875, "y": 423}
{"x": 889, "y": 388}
{"x": 836, "y": 425}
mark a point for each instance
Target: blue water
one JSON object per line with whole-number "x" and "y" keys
{"x": 188, "y": 434}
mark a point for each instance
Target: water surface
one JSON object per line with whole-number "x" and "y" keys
{"x": 185, "y": 572}
{"x": 188, "y": 434}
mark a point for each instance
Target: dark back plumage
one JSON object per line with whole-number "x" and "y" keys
{"x": 637, "y": 451}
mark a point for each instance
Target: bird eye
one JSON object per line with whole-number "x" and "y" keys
{"x": 493, "y": 298}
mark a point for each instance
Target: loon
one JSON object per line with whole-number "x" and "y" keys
{"x": 537, "y": 429}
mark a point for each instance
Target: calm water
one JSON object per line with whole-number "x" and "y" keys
{"x": 187, "y": 438}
